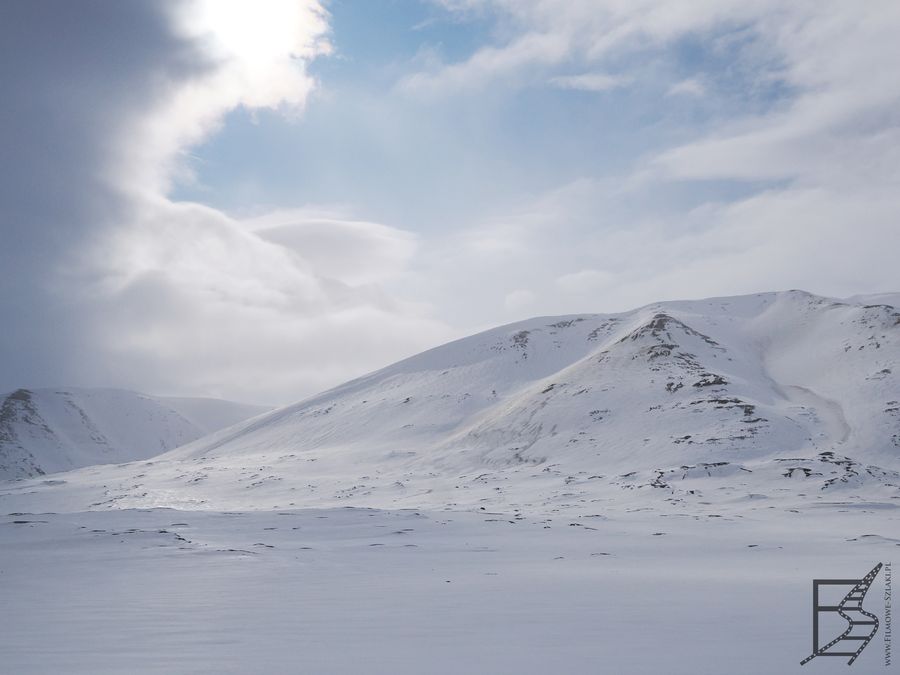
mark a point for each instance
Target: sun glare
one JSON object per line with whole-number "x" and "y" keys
{"x": 253, "y": 32}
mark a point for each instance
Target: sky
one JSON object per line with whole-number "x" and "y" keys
{"x": 260, "y": 200}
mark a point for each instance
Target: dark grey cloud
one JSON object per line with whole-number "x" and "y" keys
{"x": 71, "y": 75}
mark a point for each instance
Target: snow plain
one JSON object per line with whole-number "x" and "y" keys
{"x": 369, "y": 591}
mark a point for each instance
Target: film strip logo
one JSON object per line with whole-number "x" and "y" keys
{"x": 861, "y": 625}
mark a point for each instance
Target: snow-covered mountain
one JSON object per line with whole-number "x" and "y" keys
{"x": 597, "y": 474}
{"x": 49, "y": 430}
{"x": 724, "y": 399}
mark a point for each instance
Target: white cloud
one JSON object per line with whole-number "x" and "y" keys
{"x": 518, "y": 300}
{"x": 543, "y": 34}
{"x": 837, "y": 128}
{"x": 690, "y": 87}
{"x": 513, "y": 61}
{"x": 585, "y": 281}
{"x": 352, "y": 251}
{"x": 589, "y": 82}
{"x": 820, "y": 137}
{"x": 194, "y": 300}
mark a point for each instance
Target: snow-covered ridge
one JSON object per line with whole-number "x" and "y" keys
{"x": 49, "y": 430}
{"x": 745, "y": 375}
{"x": 724, "y": 399}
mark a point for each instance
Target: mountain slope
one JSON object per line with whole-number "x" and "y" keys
{"x": 727, "y": 399}
{"x": 49, "y": 430}
{"x": 736, "y": 376}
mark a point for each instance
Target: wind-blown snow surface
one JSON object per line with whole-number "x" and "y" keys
{"x": 48, "y": 430}
{"x": 384, "y": 592}
{"x": 644, "y": 492}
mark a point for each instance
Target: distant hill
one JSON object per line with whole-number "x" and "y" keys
{"x": 49, "y": 430}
